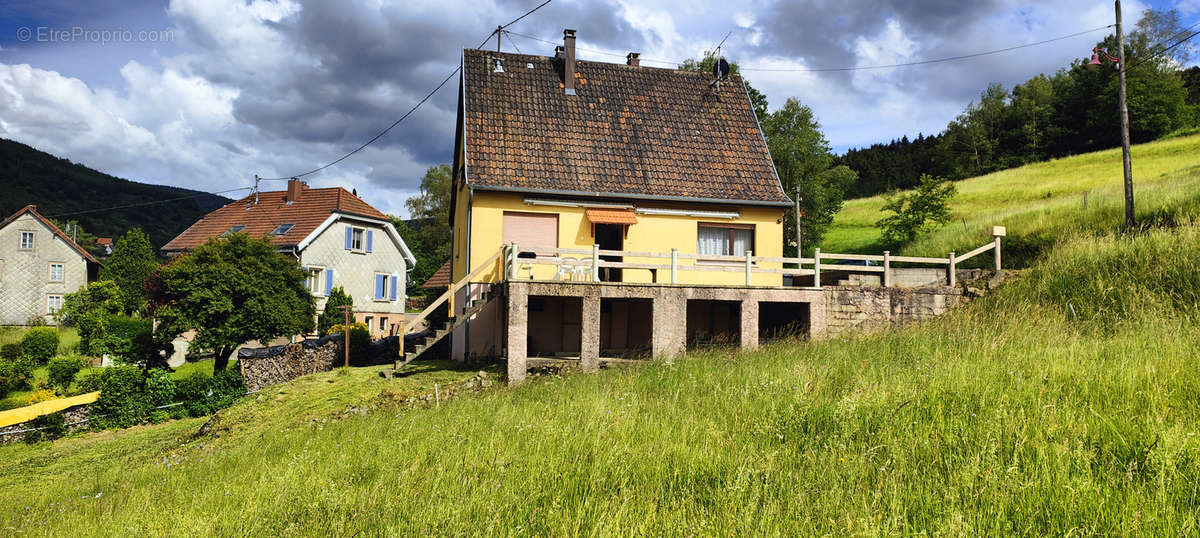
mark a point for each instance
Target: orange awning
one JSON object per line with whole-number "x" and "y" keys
{"x": 611, "y": 216}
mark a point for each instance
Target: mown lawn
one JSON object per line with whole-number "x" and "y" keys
{"x": 1041, "y": 202}
{"x": 1063, "y": 404}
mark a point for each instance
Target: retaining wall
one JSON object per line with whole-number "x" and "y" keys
{"x": 860, "y": 308}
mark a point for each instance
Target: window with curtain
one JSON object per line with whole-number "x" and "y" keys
{"x": 724, "y": 239}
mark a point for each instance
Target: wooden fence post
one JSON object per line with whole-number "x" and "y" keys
{"x": 749, "y": 265}
{"x": 997, "y": 233}
{"x": 953, "y": 276}
{"x": 887, "y": 269}
{"x": 817, "y": 267}
{"x": 674, "y": 265}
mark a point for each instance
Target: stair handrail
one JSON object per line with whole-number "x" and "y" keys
{"x": 416, "y": 322}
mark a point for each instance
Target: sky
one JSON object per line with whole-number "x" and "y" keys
{"x": 205, "y": 94}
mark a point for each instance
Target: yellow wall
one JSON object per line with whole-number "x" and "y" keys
{"x": 652, "y": 233}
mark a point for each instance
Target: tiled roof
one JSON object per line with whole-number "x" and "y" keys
{"x": 440, "y": 278}
{"x": 32, "y": 210}
{"x": 645, "y": 131}
{"x": 610, "y": 216}
{"x": 307, "y": 213}
{"x": 104, "y": 241}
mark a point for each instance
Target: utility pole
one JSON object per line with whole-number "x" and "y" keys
{"x": 346, "y": 338}
{"x": 1125, "y": 160}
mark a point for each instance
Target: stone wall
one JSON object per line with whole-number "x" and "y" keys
{"x": 868, "y": 308}
{"x": 279, "y": 364}
{"x": 73, "y": 417}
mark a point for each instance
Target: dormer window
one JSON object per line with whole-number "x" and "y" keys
{"x": 283, "y": 228}
{"x": 234, "y": 229}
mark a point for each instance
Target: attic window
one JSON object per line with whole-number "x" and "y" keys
{"x": 234, "y": 229}
{"x": 283, "y": 228}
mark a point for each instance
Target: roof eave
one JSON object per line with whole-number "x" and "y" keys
{"x": 632, "y": 196}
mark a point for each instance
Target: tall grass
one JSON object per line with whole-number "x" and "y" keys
{"x": 1044, "y": 202}
{"x": 1009, "y": 416}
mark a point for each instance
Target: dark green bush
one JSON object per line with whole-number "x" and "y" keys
{"x": 204, "y": 395}
{"x": 129, "y": 339}
{"x": 62, "y": 372}
{"x": 10, "y": 351}
{"x": 123, "y": 401}
{"x": 15, "y": 374}
{"x": 40, "y": 343}
{"x": 160, "y": 387}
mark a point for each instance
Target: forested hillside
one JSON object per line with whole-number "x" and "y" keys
{"x": 61, "y": 187}
{"x": 1070, "y": 112}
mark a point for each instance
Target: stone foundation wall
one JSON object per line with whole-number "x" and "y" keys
{"x": 868, "y": 308}
{"x": 279, "y": 364}
{"x": 73, "y": 417}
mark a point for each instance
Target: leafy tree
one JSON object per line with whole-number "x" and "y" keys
{"x": 806, "y": 167}
{"x": 332, "y": 315}
{"x": 428, "y": 235}
{"x": 132, "y": 262}
{"x": 231, "y": 290}
{"x": 918, "y": 211}
{"x": 89, "y": 310}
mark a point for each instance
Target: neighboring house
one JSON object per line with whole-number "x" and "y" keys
{"x": 559, "y": 153}
{"x": 39, "y": 264}
{"x": 338, "y": 238}
{"x": 105, "y": 243}
{"x": 439, "y": 280}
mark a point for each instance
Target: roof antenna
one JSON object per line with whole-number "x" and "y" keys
{"x": 256, "y": 180}
{"x": 720, "y": 67}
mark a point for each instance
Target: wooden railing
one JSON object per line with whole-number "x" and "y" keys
{"x": 448, "y": 296}
{"x": 587, "y": 266}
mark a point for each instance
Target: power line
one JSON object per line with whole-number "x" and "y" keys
{"x": 924, "y": 62}
{"x": 1168, "y": 49}
{"x": 411, "y": 110}
{"x": 143, "y": 204}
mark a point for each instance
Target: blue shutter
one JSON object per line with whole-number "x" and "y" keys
{"x": 328, "y": 282}
{"x": 349, "y": 237}
{"x": 395, "y": 279}
{"x": 380, "y": 282}
{"x": 369, "y": 240}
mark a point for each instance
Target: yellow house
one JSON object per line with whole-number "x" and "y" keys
{"x": 560, "y": 156}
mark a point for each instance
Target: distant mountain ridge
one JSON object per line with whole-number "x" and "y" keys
{"x": 58, "y": 186}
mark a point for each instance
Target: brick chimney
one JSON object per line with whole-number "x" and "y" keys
{"x": 293, "y": 190}
{"x": 569, "y": 61}
{"x": 632, "y": 59}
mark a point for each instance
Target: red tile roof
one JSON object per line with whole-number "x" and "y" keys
{"x": 102, "y": 241}
{"x": 32, "y": 210}
{"x": 643, "y": 131}
{"x": 440, "y": 278}
{"x": 307, "y": 213}
{"x": 611, "y": 216}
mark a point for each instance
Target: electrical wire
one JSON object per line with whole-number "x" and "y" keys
{"x": 1168, "y": 49}
{"x": 411, "y": 110}
{"x": 143, "y": 204}
{"x": 924, "y": 62}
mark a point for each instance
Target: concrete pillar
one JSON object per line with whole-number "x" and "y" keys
{"x": 817, "y": 310}
{"x": 669, "y": 312}
{"x": 589, "y": 350}
{"x": 749, "y": 324}
{"x": 516, "y": 331}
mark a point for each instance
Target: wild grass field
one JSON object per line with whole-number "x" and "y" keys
{"x": 1044, "y": 201}
{"x": 1066, "y": 403}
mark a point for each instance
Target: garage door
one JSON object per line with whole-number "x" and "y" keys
{"x": 531, "y": 229}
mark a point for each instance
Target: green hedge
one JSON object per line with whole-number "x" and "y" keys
{"x": 40, "y": 343}
{"x": 129, "y": 396}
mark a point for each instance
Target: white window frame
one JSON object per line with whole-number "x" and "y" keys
{"x": 49, "y": 298}
{"x": 358, "y": 239}
{"x": 62, "y": 272}
{"x": 383, "y": 324}
{"x": 315, "y": 275}
{"x": 32, "y": 240}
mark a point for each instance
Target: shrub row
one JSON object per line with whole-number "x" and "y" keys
{"x": 129, "y": 396}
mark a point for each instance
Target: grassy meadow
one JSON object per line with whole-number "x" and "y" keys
{"x": 1065, "y": 403}
{"x": 1041, "y": 202}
